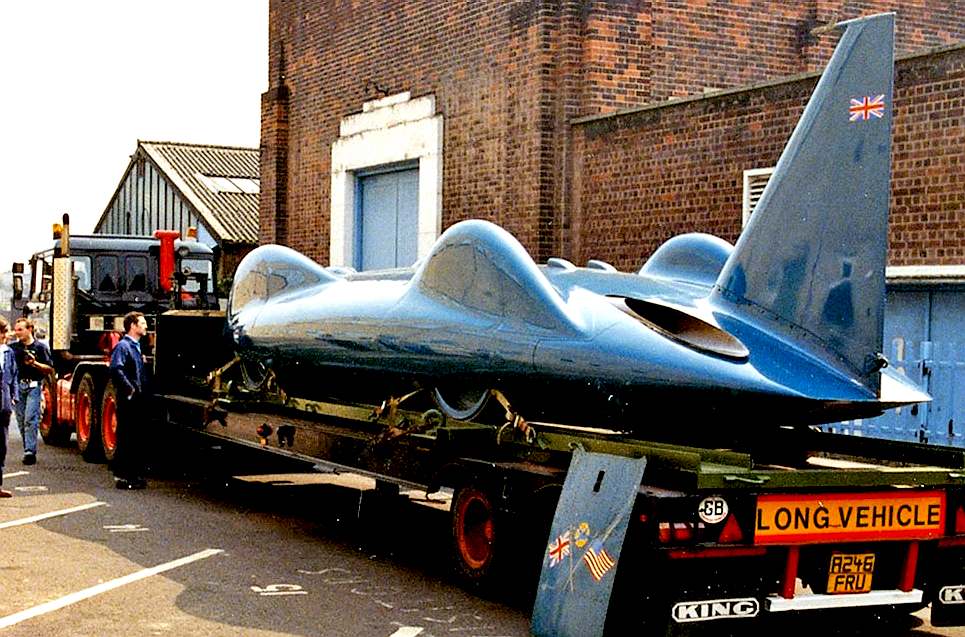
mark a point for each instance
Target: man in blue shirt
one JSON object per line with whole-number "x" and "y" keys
{"x": 130, "y": 383}
{"x": 8, "y": 395}
{"x": 34, "y": 364}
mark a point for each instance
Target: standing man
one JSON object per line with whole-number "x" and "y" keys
{"x": 127, "y": 372}
{"x": 8, "y": 394}
{"x": 34, "y": 363}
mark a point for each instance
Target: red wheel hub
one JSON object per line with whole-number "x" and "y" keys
{"x": 474, "y": 530}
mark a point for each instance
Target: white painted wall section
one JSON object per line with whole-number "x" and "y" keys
{"x": 387, "y": 131}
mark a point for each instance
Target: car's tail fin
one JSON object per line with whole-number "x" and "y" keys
{"x": 810, "y": 262}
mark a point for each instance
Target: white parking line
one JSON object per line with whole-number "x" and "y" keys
{"x": 408, "y": 631}
{"x": 15, "y": 474}
{"x": 87, "y": 593}
{"x": 52, "y": 514}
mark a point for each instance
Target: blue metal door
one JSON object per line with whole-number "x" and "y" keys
{"x": 925, "y": 339}
{"x": 388, "y": 219}
{"x": 945, "y": 364}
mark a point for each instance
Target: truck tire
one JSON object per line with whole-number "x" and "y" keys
{"x": 475, "y": 535}
{"x": 54, "y": 432}
{"x": 88, "y": 420}
{"x": 108, "y": 415}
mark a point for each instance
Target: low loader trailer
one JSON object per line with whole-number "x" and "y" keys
{"x": 666, "y": 537}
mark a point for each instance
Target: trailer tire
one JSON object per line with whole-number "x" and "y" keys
{"x": 88, "y": 420}
{"x": 54, "y": 432}
{"x": 475, "y": 535}
{"x": 108, "y": 420}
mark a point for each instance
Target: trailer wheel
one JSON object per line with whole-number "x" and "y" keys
{"x": 88, "y": 420}
{"x": 475, "y": 541}
{"x": 108, "y": 427}
{"x": 53, "y": 432}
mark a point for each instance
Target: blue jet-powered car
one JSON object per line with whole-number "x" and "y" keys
{"x": 785, "y": 328}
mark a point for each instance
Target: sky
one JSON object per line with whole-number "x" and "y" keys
{"x": 81, "y": 81}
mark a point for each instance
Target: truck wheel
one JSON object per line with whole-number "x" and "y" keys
{"x": 53, "y": 432}
{"x": 88, "y": 420}
{"x": 108, "y": 414}
{"x": 474, "y": 535}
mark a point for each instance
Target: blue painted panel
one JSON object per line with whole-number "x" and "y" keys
{"x": 946, "y": 417}
{"x": 378, "y": 222}
{"x": 388, "y": 224}
{"x": 923, "y": 338}
{"x": 408, "y": 218}
{"x": 583, "y": 552}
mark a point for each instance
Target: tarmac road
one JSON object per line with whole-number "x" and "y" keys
{"x": 270, "y": 554}
{"x": 275, "y": 556}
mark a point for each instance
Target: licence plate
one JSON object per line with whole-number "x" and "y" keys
{"x": 851, "y": 572}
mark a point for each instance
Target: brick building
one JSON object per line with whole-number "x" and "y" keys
{"x": 588, "y": 129}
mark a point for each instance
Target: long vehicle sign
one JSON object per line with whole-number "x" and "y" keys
{"x": 836, "y": 517}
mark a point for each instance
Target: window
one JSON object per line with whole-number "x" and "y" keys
{"x": 224, "y": 183}
{"x": 482, "y": 279}
{"x": 198, "y": 266}
{"x": 135, "y": 270}
{"x": 81, "y": 271}
{"x": 106, "y": 273}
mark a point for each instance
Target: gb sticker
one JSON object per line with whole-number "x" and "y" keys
{"x": 712, "y": 509}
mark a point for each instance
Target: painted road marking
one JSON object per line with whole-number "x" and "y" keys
{"x": 279, "y": 589}
{"x": 52, "y": 514}
{"x": 125, "y": 528}
{"x": 31, "y": 489}
{"x": 15, "y": 474}
{"x": 87, "y": 593}
{"x": 407, "y": 631}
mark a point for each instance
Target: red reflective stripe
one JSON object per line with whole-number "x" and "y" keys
{"x": 723, "y": 551}
{"x": 949, "y": 542}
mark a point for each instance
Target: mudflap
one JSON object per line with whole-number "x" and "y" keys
{"x": 948, "y": 609}
{"x": 948, "y": 598}
{"x": 583, "y": 551}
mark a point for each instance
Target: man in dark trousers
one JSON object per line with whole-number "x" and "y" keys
{"x": 130, "y": 382}
{"x": 8, "y": 394}
{"x": 34, "y": 363}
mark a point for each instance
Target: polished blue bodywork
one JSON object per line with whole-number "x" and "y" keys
{"x": 784, "y": 328}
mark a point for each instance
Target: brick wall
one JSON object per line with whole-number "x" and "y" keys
{"x": 509, "y": 77}
{"x": 661, "y": 171}
{"x": 928, "y": 171}
{"x": 642, "y": 51}
{"x": 489, "y": 65}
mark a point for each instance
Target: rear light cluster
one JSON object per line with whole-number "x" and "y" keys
{"x": 956, "y": 537}
{"x": 729, "y": 532}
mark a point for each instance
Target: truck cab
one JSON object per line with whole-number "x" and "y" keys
{"x": 113, "y": 275}
{"x": 78, "y": 294}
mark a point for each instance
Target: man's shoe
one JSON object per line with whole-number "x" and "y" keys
{"x": 5, "y": 494}
{"x": 29, "y": 458}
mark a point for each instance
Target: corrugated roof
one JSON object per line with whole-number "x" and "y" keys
{"x": 232, "y": 216}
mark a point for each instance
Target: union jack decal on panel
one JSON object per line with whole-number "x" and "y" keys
{"x": 559, "y": 549}
{"x": 866, "y": 107}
